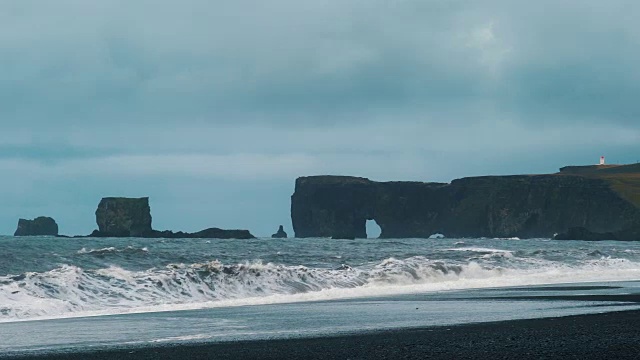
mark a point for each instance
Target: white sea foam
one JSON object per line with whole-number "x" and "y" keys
{"x": 183, "y": 338}
{"x": 112, "y": 250}
{"x": 480, "y": 250}
{"x": 69, "y": 291}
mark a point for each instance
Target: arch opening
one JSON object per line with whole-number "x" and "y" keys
{"x": 373, "y": 229}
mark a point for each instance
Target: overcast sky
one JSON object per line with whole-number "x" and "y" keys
{"x": 213, "y": 108}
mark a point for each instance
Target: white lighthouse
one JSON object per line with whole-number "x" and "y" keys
{"x": 601, "y": 160}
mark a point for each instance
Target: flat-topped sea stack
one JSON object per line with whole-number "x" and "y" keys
{"x": 600, "y": 199}
{"x": 40, "y": 226}
{"x": 124, "y": 217}
{"x": 131, "y": 217}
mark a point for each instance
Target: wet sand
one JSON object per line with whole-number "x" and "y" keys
{"x": 614, "y": 335}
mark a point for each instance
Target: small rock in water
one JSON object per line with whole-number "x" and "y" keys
{"x": 280, "y": 234}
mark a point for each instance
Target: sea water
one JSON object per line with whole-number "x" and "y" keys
{"x": 58, "y": 293}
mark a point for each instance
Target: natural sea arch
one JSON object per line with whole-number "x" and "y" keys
{"x": 373, "y": 229}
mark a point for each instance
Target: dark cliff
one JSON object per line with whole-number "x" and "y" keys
{"x": 131, "y": 217}
{"x": 493, "y": 206}
{"x": 40, "y": 226}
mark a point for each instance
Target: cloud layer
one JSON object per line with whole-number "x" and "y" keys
{"x": 133, "y": 98}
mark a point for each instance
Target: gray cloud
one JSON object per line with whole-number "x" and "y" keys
{"x": 149, "y": 97}
{"x": 290, "y": 62}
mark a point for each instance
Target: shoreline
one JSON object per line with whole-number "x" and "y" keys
{"x": 592, "y": 336}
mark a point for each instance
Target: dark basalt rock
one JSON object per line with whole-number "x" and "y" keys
{"x": 580, "y": 233}
{"x": 521, "y": 206}
{"x": 280, "y": 234}
{"x": 211, "y": 233}
{"x": 124, "y": 217}
{"x": 343, "y": 237}
{"x": 40, "y": 226}
{"x": 632, "y": 234}
{"x": 131, "y": 217}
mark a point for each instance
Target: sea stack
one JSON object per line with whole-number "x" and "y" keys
{"x": 280, "y": 234}
{"x": 40, "y": 226}
{"x": 131, "y": 217}
{"x": 124, "y": 217}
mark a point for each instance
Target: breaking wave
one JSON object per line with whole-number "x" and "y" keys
{"x": 113, "y": 250}
{"x": 73, "y": 291}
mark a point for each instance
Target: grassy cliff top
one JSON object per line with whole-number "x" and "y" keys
{"x": 624, "y": 179}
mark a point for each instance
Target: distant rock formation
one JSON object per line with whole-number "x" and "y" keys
{"x": 40, "y": 226}
{"x": 280, "y": 234}
{"x": 124, "y": 217}
{"x": 343, "y": 237}
{"x": 211, "y": 233}
{"x": 131, "y": 217}
{"x": 602, "y": 200}
{"x": 581, "y": 233}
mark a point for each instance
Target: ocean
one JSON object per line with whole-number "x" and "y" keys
{"x": 59, "y": 294}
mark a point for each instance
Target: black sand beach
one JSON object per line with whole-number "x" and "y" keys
{"x": 614, "y": 335}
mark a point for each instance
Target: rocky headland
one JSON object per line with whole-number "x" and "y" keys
{"x": 599, "y": 199}
{"x": 131, "y": 217}
{"x": 40, "y": 226}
